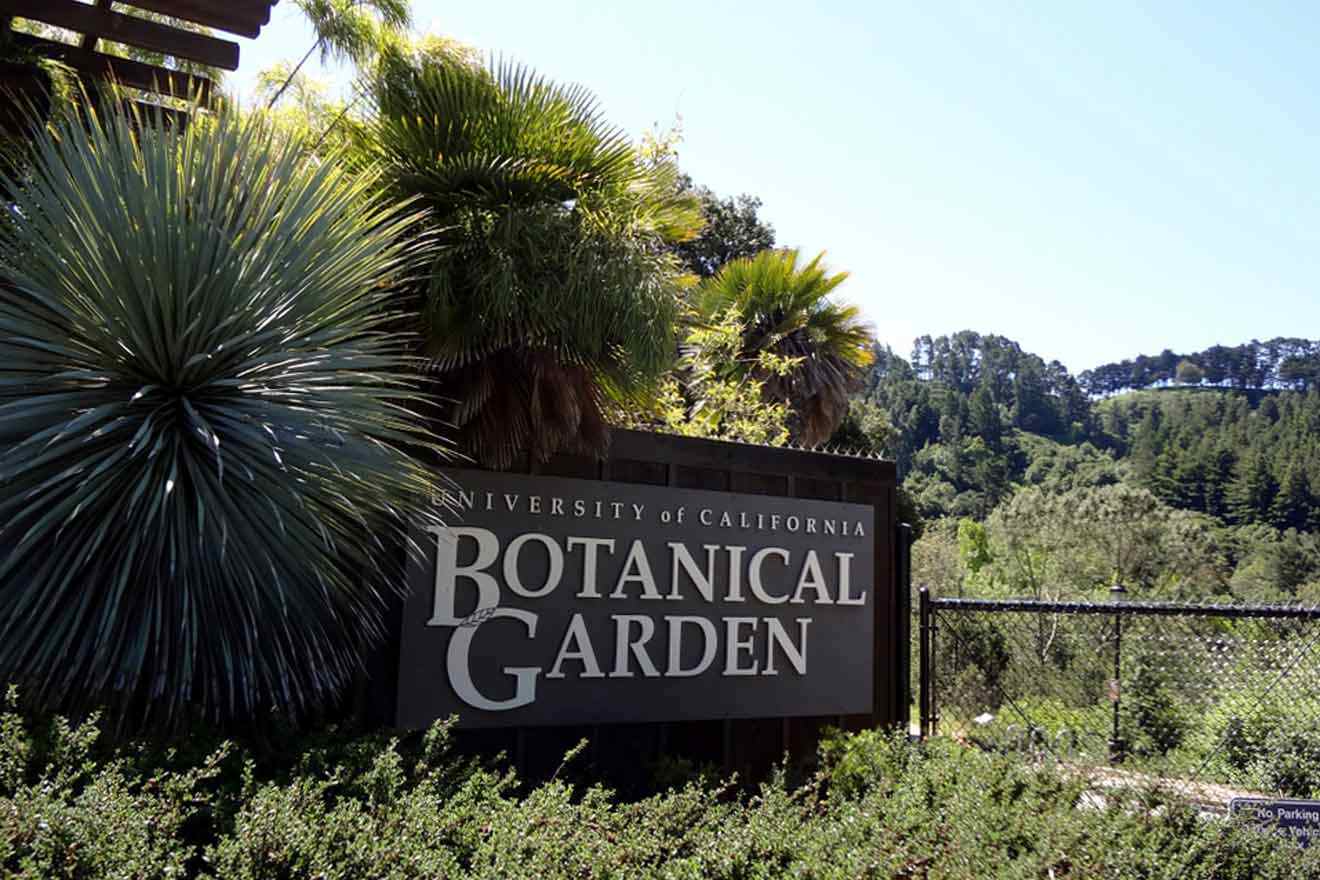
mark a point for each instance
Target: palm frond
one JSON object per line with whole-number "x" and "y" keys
{"x": 354, "y": 29}
{"x": 552, "y": 292}
{"x": 787, "y": 310}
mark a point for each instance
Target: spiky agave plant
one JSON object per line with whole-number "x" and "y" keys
{"x": 787, "y": 311}
{"x": 202, "y": 418}
{"x": 553, "y": 295}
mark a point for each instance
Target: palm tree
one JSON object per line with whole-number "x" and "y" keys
{"x": 553, "y": 296}
{"x": 202, "y": 417}
{"x": 787, "y": 312}
{"x": 347, "y": 30}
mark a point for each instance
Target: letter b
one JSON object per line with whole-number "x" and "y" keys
{"x": 448, "y": 571}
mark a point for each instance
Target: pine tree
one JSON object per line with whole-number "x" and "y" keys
{"x": 1219, "y": 476}
{"x": 1163, "y": 478}
{"x": 1252, "y": 492}
{"x": 983, "y": 417}
{"x": 1293, "y": 505}
{"x": 1032, "y": 410}
{"x": 1188, "y": 484}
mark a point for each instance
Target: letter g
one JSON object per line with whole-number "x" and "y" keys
{"x": 460, "y": 673}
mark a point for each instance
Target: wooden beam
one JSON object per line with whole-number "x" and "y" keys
{"x": 127, "y": 72}
{"x": 89, "y": 40}
{"x": 139, "y": 32}
{"x": 235, "y": 18}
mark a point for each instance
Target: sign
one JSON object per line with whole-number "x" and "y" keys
{"x": 1297, "y": 820}
{"x": 557, "y": 601}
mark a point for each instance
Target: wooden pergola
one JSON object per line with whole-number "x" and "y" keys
{"x": 101, "y": 21}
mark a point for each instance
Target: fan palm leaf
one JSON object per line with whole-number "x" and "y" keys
{"x": 787, "y": 310}
{"x": 203, "y": 412}
{"x": 552, "y": 296}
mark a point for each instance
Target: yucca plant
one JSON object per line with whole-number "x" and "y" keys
{"x": 203, "y": 417}
{"x": 787, "y": 312}
{"x": 553, "y": 297}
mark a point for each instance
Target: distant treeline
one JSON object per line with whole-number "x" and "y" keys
{"x": 972, "y": 418}
{"x": 968, "y": 385}
{"x": 1283, "y": 362}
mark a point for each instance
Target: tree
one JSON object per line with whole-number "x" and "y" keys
{"x": 937, "y": 561}
{"x": 204, "y": 412}
{"x": 732, "y": 231}
{"x": 788, "y": 313}
{"x": 1031, "y": 406}
{"x": 1252, "y": 492}
{"x": 305, "y": 109}
{"x": 973, "y": 545}
{"x": 1079, "y": 543}
{"x": 553, "y": 298}
{"x": 983, "y": 415}
{"x": 1301, "y": 371}
{"x": 1278, "y": 362}
{"x": 1294, "y": 506}
{"x": 1189, "y": 373}
{"x": 302, "y": 105}
{"x": 1189, "y": 448}
{"x": 348, "y": 30}
{"x": 866, "y": 429}
{"x": 1274, "y": 565}
{"x": 1056, "y": 467}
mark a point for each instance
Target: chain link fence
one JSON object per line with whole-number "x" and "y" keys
{"x": 1215, "y": 701}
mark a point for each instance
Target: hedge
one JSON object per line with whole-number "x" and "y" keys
{"x": 335, "y": 805}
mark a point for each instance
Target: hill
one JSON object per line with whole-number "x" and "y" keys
{"x": 971, "y": 419}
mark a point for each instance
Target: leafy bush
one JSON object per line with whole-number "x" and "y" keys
{"x": 1156, "y": 720}
{"x": 856, "y": 764}
{"x": 1290, "y": 762}
{"x": 380, "y": 806}
{"x": 727, "y": 405}
{"x": 1269, "y": 741}
{"x": 203, "y": 409}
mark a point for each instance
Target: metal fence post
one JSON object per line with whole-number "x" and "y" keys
{"x": 926, "y": 624}
{"x": 1116, "y": 745}
{"x": 904, "y": 585}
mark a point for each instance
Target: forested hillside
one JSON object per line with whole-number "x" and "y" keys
{"x": 1196, "y": 475}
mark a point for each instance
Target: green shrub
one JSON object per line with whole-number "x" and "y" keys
{"x": 1289, "y": 763}
{"x": 400, "y": 807}
{"x": 66, "y": 813}
{"x": 1266, "y": 740}
{"x": 853, "y": 765}
{"x": 1154, "y": 719}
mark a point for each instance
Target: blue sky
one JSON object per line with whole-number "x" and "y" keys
{"x": 1092, "y": 180}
